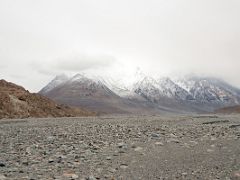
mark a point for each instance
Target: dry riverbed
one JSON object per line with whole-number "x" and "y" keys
{"x": 121, "y": 147}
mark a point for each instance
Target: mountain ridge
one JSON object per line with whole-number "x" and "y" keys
{"x": 191, "y": 94}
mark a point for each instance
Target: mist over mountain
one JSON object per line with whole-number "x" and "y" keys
{"x": 42, "y": 39}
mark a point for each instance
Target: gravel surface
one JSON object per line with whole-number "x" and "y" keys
{"x": 121, "y": 147}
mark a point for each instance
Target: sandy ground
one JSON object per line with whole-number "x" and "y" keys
{"x": 121, "y": 147}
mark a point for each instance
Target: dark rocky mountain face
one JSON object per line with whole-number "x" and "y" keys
{"x": 147, "y": 94}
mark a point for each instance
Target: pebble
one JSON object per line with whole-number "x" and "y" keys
{"x": 70, "y": 175}
{"x": 112, "y": 170}
{"x": 91, "y": 178}
{"x": 122, "y": 151}
{"x": 159, "y": 143}
{"x": 137, "y": 149}
{"x": 50, "y": 138}
{"x": 213, "y": 138}
{"x": 25, "y": 162}
{"x": 2, "y": 164}
{"x": 155, "y": 135}
{"x": 210, "y": 150}
{"x": 2, "y": 177}
{"x": 213, "y": 146}
{"x": 236, "y": 175}
{"x": 108, "y": 158}
{"x": 123, "y": 166}
{"x": 173, "y": 140}
{"x": 184, "y": 174}
{"x": 193, "y": 142}
{"x": 122, "y": 145}
{"x": 74, "y": 176}
{"x": 28, "y": 150}
{"x": 50, "y": 160}
{"x": 173, "y": 135}
{"x": 133, "y": 146}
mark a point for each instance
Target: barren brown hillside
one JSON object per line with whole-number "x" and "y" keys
{"x": 16, "y": 102}
{"x": 229, "y": 110}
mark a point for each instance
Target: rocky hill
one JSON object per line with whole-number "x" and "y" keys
{"x": 16, "y": 102}
{"x": 229, "y": 110}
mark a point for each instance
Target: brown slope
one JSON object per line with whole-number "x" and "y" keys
{"x": 229, "y": 110}
{"x": 16, "y": 102}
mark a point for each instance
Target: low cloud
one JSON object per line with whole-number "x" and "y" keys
{"x": 83, "y": 62}
{"x": 73, "y": 64}
{"x": 2, "y": 66}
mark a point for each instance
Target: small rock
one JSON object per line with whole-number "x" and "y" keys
{"x": 133, "y": 146}
{"x": 2, "y": 164}
{"x": 70, "y": 175}
{"x": 50, "y": 138}
{"x": 74, "y": 176}
{"x": 28, "y": 150}
{"x": 50, "y": 160}
{"x": 210, "y": 150}
{"x": 95, "y": 148}
{"x": 122, "y": 145}
{"x": 213, "y": 145}
{"x": 2, "y": 177}
{"x": 123, "y": 166}
{"x": 173, "y": 135}
{"x": 108, "y": 158}
{"x": 155, "y": 135}
{"x": 184, "y": 174}
{"x": 213, "y": 138}
{"x": 236, "y": 175}
{"x": 137, "y": 149}
{"x": 173, "y": 140}
{"x": 59, "y": 160}
{"x": 193, "y": 143}
{"x": 25, "y": 163}
{"x": 121, "y": 151}
{"x": 91, "y": 178}
{"x": 112, "y": 170}
{"x": 159, "y": 143}
{"x": 99, "y": 170}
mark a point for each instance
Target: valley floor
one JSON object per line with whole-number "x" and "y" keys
{"x": 121, "y": 147}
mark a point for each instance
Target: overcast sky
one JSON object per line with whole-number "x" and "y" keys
{"x": 40, "y": 39}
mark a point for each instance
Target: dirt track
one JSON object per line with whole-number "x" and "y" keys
{"x": 121, "y": 147}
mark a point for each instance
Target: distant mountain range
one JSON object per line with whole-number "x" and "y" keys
{"x": 144, "y": 95}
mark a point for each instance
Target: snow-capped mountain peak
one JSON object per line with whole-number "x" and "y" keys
{"x": 58, "y": 80}
{"x": 197, "y": 92}
{"x": 78, "y": 77}
{"x": 209, "y": 90}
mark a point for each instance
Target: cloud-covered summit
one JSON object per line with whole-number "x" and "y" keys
{"x": 161, "y": 37}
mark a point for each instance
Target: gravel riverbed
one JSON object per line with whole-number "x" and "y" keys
{"x": 121, "y": 147}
